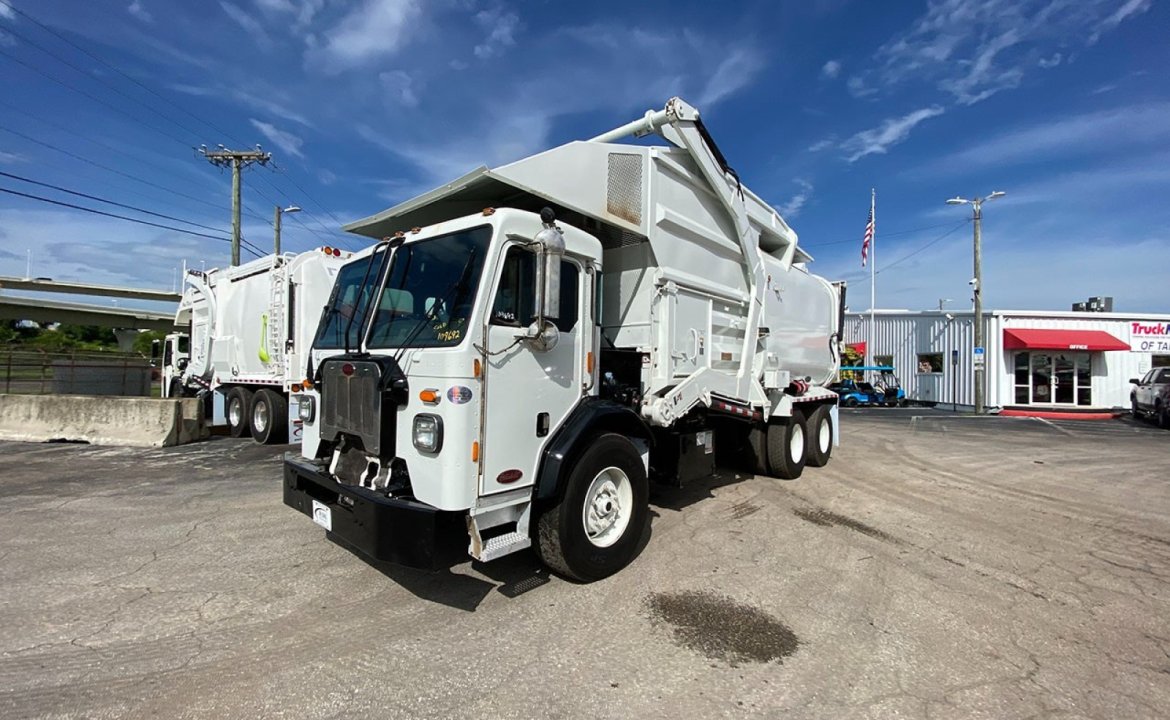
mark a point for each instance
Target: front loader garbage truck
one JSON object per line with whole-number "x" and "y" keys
{"x": 249, "y": 330}
{"x": 528, "y": 347}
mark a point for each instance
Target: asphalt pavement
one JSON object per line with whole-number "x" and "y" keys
{"x": 940, "y": 566}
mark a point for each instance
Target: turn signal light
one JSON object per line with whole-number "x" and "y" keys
{"x": 307, "y": 384}
{"x": 430, "y": 397}
{"x": 477, "y": 367}
{"x": 589, "y": 362}
{"x": 475, "y": 451}
{"x": 296, "y": 387}
{"x": 327, "y": 250}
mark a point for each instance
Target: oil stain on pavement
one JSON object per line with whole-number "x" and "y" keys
{"x": 721, "y": 628}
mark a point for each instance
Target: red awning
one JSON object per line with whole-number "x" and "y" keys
{"x": 1019, "y": 339}
{"x": 858, "y": 346}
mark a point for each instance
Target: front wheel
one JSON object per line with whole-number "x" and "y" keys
{"x": 1162, "y": 412}
{"x": 1133, "y": 405}
{"x": 594, "y": 530}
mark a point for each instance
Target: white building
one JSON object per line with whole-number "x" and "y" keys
{"x": 1035, "y": 360}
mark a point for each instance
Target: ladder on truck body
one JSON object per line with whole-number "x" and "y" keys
{"x": 277, "y": 314}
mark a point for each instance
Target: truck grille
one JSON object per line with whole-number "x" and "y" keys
{"x": 352, "y": 404}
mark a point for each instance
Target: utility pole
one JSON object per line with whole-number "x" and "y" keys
{"x": 236, "y": 160}
{"x": 977, "y": 284}
{"x": 276, "y": 225}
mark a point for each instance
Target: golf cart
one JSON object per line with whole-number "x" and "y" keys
{"x": 886, "y": 390}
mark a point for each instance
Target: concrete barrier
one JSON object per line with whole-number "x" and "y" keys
{"x": 138, "y": 422}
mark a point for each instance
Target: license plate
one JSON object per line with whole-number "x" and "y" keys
{"x": 323, "y": 515}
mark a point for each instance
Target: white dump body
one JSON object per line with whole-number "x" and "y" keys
{"x": 677, "y": 282}
{"x": 254, "y": 324}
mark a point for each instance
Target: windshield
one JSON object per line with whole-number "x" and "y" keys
{"x": 349, "y": 299}
{"x": 430, "y": 293}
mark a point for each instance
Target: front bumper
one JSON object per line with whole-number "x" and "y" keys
{"x": 401, "y": 531}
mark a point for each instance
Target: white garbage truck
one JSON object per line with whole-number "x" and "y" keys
{"x": 247, "y": 333}
{"x": 529, "y": 346}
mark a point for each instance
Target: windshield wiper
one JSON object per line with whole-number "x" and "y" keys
{"x": 391, "y": 245}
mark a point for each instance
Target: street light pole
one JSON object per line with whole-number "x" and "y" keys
{"x": 276, "y": 225}
{"x": 977, "y": 283}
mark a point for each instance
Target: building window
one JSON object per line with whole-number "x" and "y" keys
{"x": 887, "y": 360}
{"x": 1053, "y": 378}
{"x": 930, "y": 362}
{"x": 1160, "y": 361}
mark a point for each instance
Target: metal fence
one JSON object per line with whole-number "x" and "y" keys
{"x": 37, "y": 372}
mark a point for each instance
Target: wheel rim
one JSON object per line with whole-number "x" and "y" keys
{"x": 796, "y": 443}
{"x": 824, "y": 435}
{"x": 260, "y": 417}
{"x": 235, "y": 412}
{"x": 609, "y": 502}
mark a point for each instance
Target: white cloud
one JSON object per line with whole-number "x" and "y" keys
{"x": 823, "y": 144}
{"x": 250, "y": 25}
{"x": 253, "y": 95}
{"x": 831, "y": 69}
{"x": 792, "y": 207}
{"x": 974, "y": 50}
{"x": 374, "y": 29}
{"x": 1129, "y": 9}
{"x": 286, "y": 141}
{"x": 303, "y": 10}
{"x": 734, "y": 73}
{"x": 1101, "y": 132}
{"x": 6, "y": 12}
{"x": 139, "y": 11}
{"x": 401, "y": 87}
{"x": 500, "y": 26}
{"x": 326, "y": 177}
{"x": 877, "y": 141}
{"x": 7, "y": 158}
{"x": 1050, "y": 62}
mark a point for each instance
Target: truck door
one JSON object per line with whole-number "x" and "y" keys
{"x": 527, "y": 392}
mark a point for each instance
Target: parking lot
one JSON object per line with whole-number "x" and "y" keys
{"x": 940, "y": 566}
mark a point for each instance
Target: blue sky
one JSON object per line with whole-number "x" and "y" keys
{"x": 1064, "y": 104}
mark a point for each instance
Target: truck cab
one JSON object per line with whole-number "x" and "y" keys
{"x": 175, "y": 356}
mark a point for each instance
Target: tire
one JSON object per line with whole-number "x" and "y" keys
{"x": 1133, "y": 404}
{"x": 269, "y": 417}
{"x": 563, "y": 542}
{"x": 786, "y": 447}
{"x": 849, "y": 402}
{"x": 1162, "y": 413}
{"x": 820, "y": 437}
{"x": 238, "y": 408}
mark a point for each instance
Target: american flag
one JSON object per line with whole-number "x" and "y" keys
{"x": 868, "y": 237}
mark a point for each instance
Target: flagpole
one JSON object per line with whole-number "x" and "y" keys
{"x": 872, "y": 275}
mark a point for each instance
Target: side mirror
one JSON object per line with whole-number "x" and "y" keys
{"x": 154, "y": 349}
{"x": 1135, "y": 381}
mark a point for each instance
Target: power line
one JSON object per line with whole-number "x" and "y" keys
{"x": 111, "y": 66}
{"x": 114, "y": 215}
{"x": 884, "y": 235}
{"x": 108, "y": 202}
{"x": 906, "y": 257}
{"x": 171, "y": 120}
{"x": 107, "y": 168}
{"x": 96, "y": 99}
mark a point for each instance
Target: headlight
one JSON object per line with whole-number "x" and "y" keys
{"x": 428, "y": 433}
{"x": 307, "y": 410}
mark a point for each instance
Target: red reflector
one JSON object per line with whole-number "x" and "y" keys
{"x": 336, "y": 252}
{"x": 347, "y": 369}
{"x": 509, "y": 476}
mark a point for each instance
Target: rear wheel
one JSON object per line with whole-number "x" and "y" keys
{"x": 820, "y": 437}
{"x": 786, "y": 447}
{"x": 239, "y": 406}
{"x": 594, "y": 530}
{"x": 269, "y": 417}
{"x": 849, "y": 402}
{"x": 1162, "y": 412}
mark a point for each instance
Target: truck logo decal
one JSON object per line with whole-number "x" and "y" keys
{"x": 459, "y": 394}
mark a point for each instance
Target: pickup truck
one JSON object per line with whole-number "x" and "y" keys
{"x": 1150, "y": 396}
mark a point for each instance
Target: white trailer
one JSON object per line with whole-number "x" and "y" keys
{"x": 531, "y": 345}
{"x": 249, "y": 329}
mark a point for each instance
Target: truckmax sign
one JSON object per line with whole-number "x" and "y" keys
{"x": 1151, "y": 337}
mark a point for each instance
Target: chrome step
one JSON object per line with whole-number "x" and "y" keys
{"x": 501, "y": 545}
